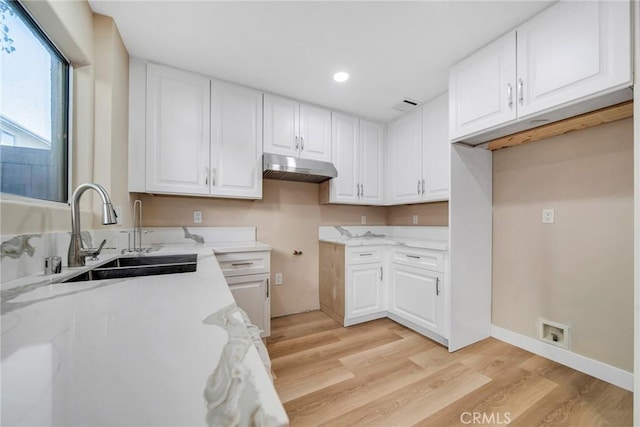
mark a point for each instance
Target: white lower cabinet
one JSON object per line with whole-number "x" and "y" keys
{"x": 252, "y": 295}
{"x": 408, "y": 285}
{"x": 364, "y": 290}
{"x": 418, "y": 290}
{"x": 247, "y": 274}
{"x": 416, "y": 295}
{"x": 364, "y": 284}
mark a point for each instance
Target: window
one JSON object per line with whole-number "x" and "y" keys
{"x": 7, "y": 138}
{"x": 34, "y": 106}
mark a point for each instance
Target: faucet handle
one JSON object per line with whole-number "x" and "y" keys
{"x": 93, "y": 252}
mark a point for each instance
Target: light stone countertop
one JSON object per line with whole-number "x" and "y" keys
{"x": 155, "y": 350}
{"x": 440, "y": 245}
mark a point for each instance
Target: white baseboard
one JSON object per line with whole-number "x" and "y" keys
{"x": 608, "y": 373}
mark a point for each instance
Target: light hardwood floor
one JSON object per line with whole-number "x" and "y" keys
{"x": 380, "y": 373}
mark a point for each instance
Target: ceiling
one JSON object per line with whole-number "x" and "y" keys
{"x": 391, "y": 49}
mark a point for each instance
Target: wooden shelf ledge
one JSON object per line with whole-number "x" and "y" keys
{"x": 583, "y": 121}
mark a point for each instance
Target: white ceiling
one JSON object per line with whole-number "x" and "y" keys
{"x": 391, "y": 49}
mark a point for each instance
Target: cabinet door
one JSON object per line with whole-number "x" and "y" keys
{"x": 573, "y": 50}
{"x": 436, "y": 149}
{"x": 370, "y": 160}
{"x": 364, "y": 290}
{"x": 482, "y": 89}
{"x": 416, "y": 296}
{"x": 280, "y": 125}
{"x": 251, "y": 294}
{"x": 344, "y": 137}
{"x": 405, "y": 154}
{"x": 177, "y": 142}
{"x": 236, "y": 141}
{"x": 315, "y": 133}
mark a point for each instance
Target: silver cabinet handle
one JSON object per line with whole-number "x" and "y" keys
{"x": 510, "y": 96}
{"x": 213, "y": 177}
{"x": 419, "y": 192}
{"x": 437, "y": 286}
{"x": 362, "y": 190}
{"x": 423, "y": 186}
{"x": 237, "y": 264}
{"x": 206, "y": 176}
{"x": 520, "y": 91}
{"x": 368, "y": 254}
{"x": 413, "y": 256}
{"x": 301, "y": 143}
{"x": 297, "y": 142}
{"x": 267, "y": 288}
{"x": 358, "y": 190}
{"x": 381, "y": 274}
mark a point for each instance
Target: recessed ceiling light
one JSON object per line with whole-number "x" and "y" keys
{"x": 341, "y": 76}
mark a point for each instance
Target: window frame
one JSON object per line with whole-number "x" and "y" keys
{"x": 37, "y": 27}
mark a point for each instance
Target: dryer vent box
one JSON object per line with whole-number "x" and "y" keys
{"x": 553, "y": 333}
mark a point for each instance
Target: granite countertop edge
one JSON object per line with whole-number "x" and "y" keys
{"x": 433, "y": 244}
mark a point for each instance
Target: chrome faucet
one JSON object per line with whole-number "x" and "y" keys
{"x": 77, "y": 253}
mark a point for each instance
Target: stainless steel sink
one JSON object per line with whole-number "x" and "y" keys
{"x": 139, "y": 266}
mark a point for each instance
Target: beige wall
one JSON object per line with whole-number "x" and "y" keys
{"x": 578, "y": 271}
{"x": 287, "y": 218}
{"x": 111, "y": 116}
{"x": 428, "y": 214}
{"x": 100, "y": 66}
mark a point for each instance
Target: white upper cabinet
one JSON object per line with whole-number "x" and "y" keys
{"x": 345, "y": 188}
{"x": 198, "y": 136}
{"x": 570, "y": 51}
{"x": 295, "y": 129}
{"x": 418, "y": 147}
{"x": 236, "y": 141}
{"x": 315, "y": 133}
{"x": 436, "y": 149}
{"x": 281, "y": 125}
{"x": 357, "y": 147}
{"x": 572, "y": 58}
{"x": 371, "y": 163}
{"x": 177, "y": 129}
{"x": 482, "y": 88}
{"x": 404, "y": 145}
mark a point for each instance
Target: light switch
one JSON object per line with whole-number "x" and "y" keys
{"x": 363, "y": 219}
{"x": 548, "y": 216}
{"x": 415, "y": 219}
{"x": 197, "y": 217}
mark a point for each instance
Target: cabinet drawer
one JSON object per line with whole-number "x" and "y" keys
{"x": 364, "y": 254}
{"x": 421, "y": 258}
{"x": 242, "y": 263}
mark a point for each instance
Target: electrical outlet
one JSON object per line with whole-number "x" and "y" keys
{"x": 548, "y": 216}
{"x": 278, "y": 278}
{"x": 197, "y": 217}
{"x": 363, "y": 219}
{"x": 415, "y": 219}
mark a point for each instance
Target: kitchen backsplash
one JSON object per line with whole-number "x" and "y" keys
{"x": 24, "y": 254}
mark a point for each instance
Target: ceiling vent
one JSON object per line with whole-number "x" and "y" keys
{"x": 405, "y": 105}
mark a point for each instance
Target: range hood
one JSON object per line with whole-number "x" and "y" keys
{"x": 287, "y": 168}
